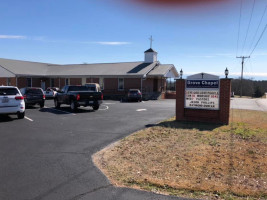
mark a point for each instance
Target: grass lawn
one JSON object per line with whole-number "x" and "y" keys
{"x": 195, "y": 160}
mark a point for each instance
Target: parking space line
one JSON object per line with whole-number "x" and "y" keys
{"x": 28, "y": 118}
{"x": 139, "y": 110}
{"x": 60, "y": 110}
{"x": 104, "y": 108}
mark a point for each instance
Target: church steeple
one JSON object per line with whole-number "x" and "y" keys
{"x": 150, "y": 54}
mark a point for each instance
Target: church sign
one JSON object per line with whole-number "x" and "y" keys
{"x": 202, "y": 92}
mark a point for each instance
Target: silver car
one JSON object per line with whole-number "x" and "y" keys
{"x": 11, "y": 101}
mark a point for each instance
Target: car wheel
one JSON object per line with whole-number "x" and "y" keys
{"x": 73, "y": 106}
{"x": 41, "y": 105}
{"x": 57, "y": 104}
{"x": 96, "y": 107}
{"x": 21, "y": 115}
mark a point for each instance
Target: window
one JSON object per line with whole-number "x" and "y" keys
{"x": 8, "y": 81}
{"x": 120, "y": 84}
{"x": 67, "y": 81}
{"x": 101, "y": 83}
{"x": 29, "y": 82}
{"x": 52, "y": 82}
{"x": 8, "y": 91}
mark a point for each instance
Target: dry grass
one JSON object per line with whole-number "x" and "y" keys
{"x": 194, "y": 159}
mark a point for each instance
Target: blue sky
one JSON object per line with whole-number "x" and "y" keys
{"x": 196, "y": 39}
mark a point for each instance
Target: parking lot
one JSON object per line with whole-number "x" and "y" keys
{"x": 47, "y": 155}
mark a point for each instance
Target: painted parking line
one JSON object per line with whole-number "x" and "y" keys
{"x": 139, "y": 110}
{"x": 59, "y": 110}
{"x": 106, "y": 108}
{"x": 28, "y": 118}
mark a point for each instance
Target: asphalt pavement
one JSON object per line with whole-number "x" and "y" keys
{"x": 249, "y": 104}
{"x": 47, "y": 155}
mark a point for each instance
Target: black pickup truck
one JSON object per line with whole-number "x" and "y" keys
{"x": 77, "y": 96}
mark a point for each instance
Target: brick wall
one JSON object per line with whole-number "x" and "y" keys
{"x": 36, "y": 82}
{"x": 148, "y": 85}
{"x": 2, "y": 81}
{"x": 132, "y": 83}
{"x": 215, "y": 116}
{"x": 61, "y": 82}
{"x": 225, "y": 89}
{"x": 92, "y": 80}
{"x": 22, "y": 82}
{"x": 13, "y": 81}
{"x": 57, "y": 83}
{"x": 170, "y": 95}
{"x": 110, "y": 85}
{"x": 75, "y": 81}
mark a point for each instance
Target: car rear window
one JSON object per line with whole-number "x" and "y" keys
{"x": 34, "y": 91}
{"x": 8, "y": 91}
{"x": 78, "y": 88}
{"x": 91, "y": 88}
{"x": 133, "y": 92}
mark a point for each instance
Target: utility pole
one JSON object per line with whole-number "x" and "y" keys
{"x": 243, "y": 58}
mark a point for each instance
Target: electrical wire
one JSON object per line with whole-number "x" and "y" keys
{"x": 254, "y": 37}
{"x": 252, "y": 11}
{"x": 258, "y": 40}
{"x": 238, "y": 35}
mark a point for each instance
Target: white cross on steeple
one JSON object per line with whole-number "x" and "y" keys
{"x": 151, "y": 40}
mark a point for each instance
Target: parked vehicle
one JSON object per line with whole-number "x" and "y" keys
{"x": 77, "y": 96}
{"x": 93, "y": 87}
{"x": 51, "y": 92}
{"x": 33, "y": 96}
{"x": 11, "y": 101}
{"x": 134, "y": 95}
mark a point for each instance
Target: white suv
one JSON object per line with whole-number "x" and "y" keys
{"x": 11, "y": 101}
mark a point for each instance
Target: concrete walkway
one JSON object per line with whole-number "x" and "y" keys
{"x": 249, "y": 104}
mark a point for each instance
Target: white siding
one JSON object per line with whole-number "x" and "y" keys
{"x": 150, "y": 57}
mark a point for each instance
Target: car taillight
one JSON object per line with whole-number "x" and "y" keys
{"x": 102, "y": 96}
{"x": 43, "y": 96}
{"x": 19, "y": 98}
{"x": 78, "y": 97}
{"x": 139, "y": 93}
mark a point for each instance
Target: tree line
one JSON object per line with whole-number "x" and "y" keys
{"x": 250, "y": 87}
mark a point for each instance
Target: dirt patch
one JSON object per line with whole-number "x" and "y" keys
{"x": 194, "y": 159}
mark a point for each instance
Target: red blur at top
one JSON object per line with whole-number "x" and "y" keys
{"x": 181, "y": 2}
{"x": 43, "y": 96}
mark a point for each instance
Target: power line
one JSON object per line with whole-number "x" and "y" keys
{"x": 238, "y": 35}
{"x": 248, "y": 26}
{"x": 258, "y": 40}
{"x": 258, "y": 27}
